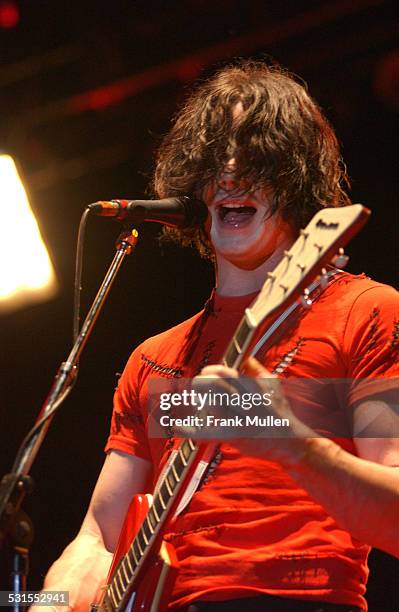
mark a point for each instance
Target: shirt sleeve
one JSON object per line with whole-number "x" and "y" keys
{"x": 371, "y": 344}
{"x": 127, "y": 433}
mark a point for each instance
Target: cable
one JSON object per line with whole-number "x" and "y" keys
{"x": 78, "y": 274}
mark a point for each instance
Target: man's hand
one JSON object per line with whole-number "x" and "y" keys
{"x": 83, "y": 567}
{"x": 286, "y": 445}
{"x": 82, "y": 571}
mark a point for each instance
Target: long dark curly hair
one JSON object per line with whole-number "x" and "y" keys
{"x": 281, "y": 140}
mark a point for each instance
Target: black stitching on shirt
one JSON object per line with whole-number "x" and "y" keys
{"x": 395, "y": 336}
{"x": 288, "y": 358}
{"x": 125, "y": 419}
{"x": 374, "y": 322}
{"x": 211, "y": 468}
{"x": 216, "y": 529}
{"x": 162, "y": 368}
{"x": 206, "y": 356}
{"x": 371, "y": 339}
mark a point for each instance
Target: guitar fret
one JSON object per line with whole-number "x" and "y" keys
{"x": 121, "y": 582}
{"x": 127, "y": 578}
{"x": 115, "y": 585}
{"x": 127, "y": 557}
{"x": 140, "y": 544}
{"x": 149, "y": 525}
{"x": 135, "y": 557}
{"x": 144, "y": 535}
{"x": 154, "y": 510}
{"x": 161, "y": 500}
{"x": 132, "y": 557}
{"x": 136, "y": 553}
{"x": 152, "y": 519}
{"x": 172, "y": 482}
{"x": 186, "y": 450}
{"x": 179, "y": 463}
{"x": 167, "y": 484}
{"x": 147, "y": 530}
{"x": 165, "y": 492}
{"x": 182, "y": 457}
{"x": 113, "y": 598}
{"x": 158, "y": 507}
{"x": 175, "y": 474}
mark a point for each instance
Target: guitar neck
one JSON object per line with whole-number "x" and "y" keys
{"x": 163, "y": 505}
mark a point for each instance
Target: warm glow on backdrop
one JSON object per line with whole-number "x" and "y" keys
{"x": 26, "y": 272}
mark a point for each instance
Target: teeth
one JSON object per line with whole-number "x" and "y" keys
{"x": 235, "y": 205}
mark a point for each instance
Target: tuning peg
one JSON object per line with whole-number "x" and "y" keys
{"x": 323, "y": 278}
{"x": 305, "y": 299}
{"x": 341, "y": 259}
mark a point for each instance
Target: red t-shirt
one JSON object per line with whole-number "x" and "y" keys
{"x": 250, "y": 529}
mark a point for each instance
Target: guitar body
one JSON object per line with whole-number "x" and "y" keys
{"x": 157, "y": 576}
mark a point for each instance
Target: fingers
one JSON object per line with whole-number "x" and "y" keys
{"x": 47, "y": 608}
{"x": 218, "y": 370}
{"x": 229, "y": 379}
{"x": 254, "y": 369}
{"x": 251, "y": 368}
{"x": 216, "y": 379}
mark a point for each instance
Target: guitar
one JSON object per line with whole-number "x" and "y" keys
{"x": 144, "y": 567}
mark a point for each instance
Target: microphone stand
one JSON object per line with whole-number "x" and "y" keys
{"x": 15, "y": 526}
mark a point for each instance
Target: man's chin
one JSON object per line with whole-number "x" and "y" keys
{"x": 242, "y": 259}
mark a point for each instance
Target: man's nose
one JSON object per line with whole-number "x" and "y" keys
{"x": 227, "y": 180}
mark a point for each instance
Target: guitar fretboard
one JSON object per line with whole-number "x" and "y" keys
{"x": 118, "y": 588}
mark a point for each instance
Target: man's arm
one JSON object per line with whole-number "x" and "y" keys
{"x": 121, "y": 477}
{"x": 83, "y": 566}
{"x": 360, "y": 492}
{"x": 362, "y": 496}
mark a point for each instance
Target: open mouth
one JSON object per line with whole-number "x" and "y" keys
{"x": 235, "y": 214}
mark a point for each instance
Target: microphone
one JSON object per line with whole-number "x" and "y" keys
{"x": 180, "y": 212}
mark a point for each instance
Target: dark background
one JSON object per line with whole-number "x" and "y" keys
{"x": 87, "y": 90}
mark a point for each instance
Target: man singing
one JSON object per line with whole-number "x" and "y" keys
{"x": 275, "y": 523}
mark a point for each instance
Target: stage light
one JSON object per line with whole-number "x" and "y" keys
{"x": 26, "y": 271}
{"x": 9, "y": 14}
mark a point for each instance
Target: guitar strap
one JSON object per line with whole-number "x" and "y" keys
{"x": 295, "y": 307}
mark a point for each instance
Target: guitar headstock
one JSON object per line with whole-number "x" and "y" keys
{"x": 317, "y": 244}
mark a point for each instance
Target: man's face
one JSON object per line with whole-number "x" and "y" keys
{"x": 240, "y": 227}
